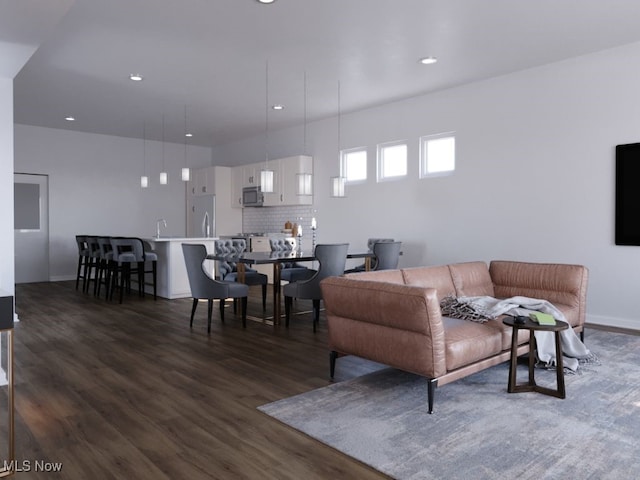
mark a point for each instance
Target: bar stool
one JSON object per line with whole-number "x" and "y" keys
{"x": 129, "y": 258}
{"x": 150, "y": 257}
{"x": 105, "y": 265}
{"x": 83, "y": 259}
{"x": 94, "y": 262}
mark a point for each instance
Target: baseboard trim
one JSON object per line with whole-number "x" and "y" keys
{"x": 62, "y": 278}
{"x": 625, "y": 323}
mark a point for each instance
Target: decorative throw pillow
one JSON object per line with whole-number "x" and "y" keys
{"x": 452, "y": 307}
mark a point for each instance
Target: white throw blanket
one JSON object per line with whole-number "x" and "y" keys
{"x": 572, "y": 348}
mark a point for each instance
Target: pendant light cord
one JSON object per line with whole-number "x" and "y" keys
{"x": 266, "y": 116}
{"x": 163, "y": 142}
{"x": 304, "y": 146}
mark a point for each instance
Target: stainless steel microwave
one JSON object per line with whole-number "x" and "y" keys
{"x": 252, "y": 197}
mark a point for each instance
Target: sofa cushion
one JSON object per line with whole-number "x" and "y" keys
{"x": 431, "y": 277}
{"x": 565, "y": 286}
{"x": 468, "y": 342}
{"x": 390, "y": 276}
{"x": 471, "y": 279}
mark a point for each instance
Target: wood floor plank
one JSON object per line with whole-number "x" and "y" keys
{"x": 130, "y": 391}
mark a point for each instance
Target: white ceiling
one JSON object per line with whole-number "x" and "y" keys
{"x": 211, "y": 56}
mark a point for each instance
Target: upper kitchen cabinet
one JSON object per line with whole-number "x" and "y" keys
{"x": 292, "y": 168}
{"x": 207, "y": 182}
{"x": 203, "y": 181}
{"x": 274, "y": 198}
{"x": 237, "y": 184}
{"x": 286, "y": 178}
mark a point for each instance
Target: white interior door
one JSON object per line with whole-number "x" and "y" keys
{"x": 31, "y": 227}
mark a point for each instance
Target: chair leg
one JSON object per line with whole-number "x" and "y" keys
{"x": 209, "y": 312}
{"x": 107, "y": 278}
{"x": 124, "y": 277}
{"x": 141, "y": 279}
{"x": 79, "y": 270}
{"x": 222, "y": 302}
{"x": 333, "y": 355}
{"x": 243, "y": 304}
{"x": 264, "y": 296}
{"x": 193, "y": 311}
{"x": 287, "y": 310}
{"x": 316, "y": 314}
{"x": 87, "y": 275}
{"x": 154, "y": 274}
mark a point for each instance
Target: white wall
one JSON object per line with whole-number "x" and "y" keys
{"x": 534, "y": 179}
{"x": 94, "y": 187}
{"x": 6, "y": 186}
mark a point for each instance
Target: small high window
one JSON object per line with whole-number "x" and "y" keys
{"x": 353, "y": 165}
{"x": 437, "y": 155}
{"x": 392, "y": 160}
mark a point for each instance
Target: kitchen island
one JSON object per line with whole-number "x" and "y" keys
{"x": 173, "y": 281}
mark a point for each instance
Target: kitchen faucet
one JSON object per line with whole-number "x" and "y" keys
{"x": 160, "y": 221}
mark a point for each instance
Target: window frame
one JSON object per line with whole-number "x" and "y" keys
{"x": 380, "y": 160}
{"x": 424, "y": 159}
{"x": 343, "y": 164}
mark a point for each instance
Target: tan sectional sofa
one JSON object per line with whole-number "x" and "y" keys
{"x": 393, "y": 316}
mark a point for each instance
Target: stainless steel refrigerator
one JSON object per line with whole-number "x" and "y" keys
{"x": 202, "y": 218}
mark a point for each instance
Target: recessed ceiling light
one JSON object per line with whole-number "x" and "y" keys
{"x": 278, "y": 106}
{"x": 428, "y": 60}
{"x": 70, "y": 119}
{"x": 136, "y": 77}
{"x": 188, "y": 135}
{"x": 266, "y": 1}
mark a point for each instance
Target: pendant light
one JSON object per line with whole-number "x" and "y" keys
{"x": 164, "y": 177}
{"x": 337, "y": 183}
{"x": 266, "y": 175}
{"x": 185, "y": 174}
{"x": 144, "y": 180}
{"x": 305, "y": 180}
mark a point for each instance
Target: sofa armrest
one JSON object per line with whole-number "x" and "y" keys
{"x": 560, "y": 284}
{"x": 398, "y": 325}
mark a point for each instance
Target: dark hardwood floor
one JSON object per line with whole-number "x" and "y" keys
{"x": 130, "y": 392}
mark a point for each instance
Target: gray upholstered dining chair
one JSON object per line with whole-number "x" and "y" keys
{"x": 290, "y": 271}
{"x": 227, "y": 270}
{"x": 204, "y": 287}
{"x": 332, "y": 259}
{"x": 370, "y": 243}
{"x": 387, "y": 255}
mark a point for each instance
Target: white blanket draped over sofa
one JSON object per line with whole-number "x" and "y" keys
{"x": 573, "y": 349}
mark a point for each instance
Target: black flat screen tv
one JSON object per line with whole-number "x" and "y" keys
{"x": 628, "y": 194}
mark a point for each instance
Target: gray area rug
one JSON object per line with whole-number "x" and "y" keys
{"x": 478, "y": 430}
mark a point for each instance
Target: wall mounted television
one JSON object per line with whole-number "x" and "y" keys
{"x": 628, "y": 194}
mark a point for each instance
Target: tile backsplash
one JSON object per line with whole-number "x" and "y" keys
{"x": 272, "y": 219}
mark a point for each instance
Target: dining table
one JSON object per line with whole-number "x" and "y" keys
{"x": 277, "y": 259}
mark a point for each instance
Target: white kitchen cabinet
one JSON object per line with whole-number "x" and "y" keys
{"x": 213, "y": 181}
{"x": 251, "y": 174}
{"x": 237, "y": 184}
{"x": 275, "y": 198}
{"x": 261, "y": 244}
{"x": 285, "y": 180}
{"x": 203, "y": 181}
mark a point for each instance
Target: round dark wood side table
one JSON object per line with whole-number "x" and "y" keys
{"x": 531, "y": 386}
